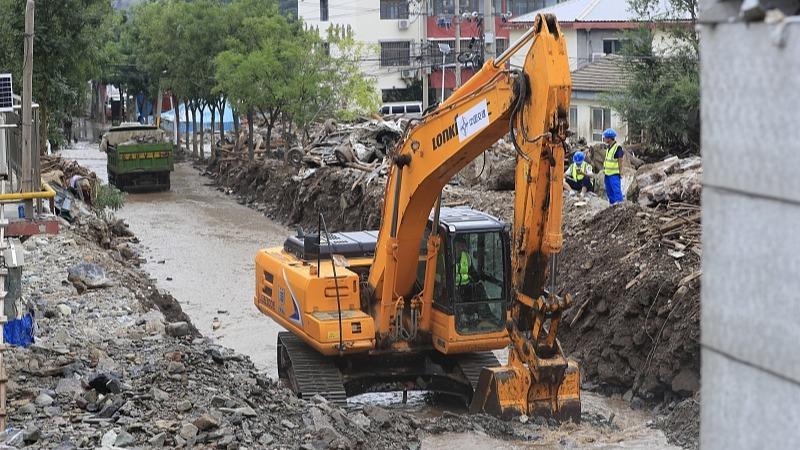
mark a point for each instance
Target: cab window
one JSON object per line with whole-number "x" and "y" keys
{"x": 479, "y": 282}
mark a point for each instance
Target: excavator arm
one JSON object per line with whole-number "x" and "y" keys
{"x": 532, "y": 105}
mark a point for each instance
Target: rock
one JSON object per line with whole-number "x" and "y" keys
{"x": 178, "y": 329}
{"x": 245, "y": 411}
{"x": 109, "y": 438}
{"x": 219, "y": 400}
{"x": 28, "y": 408}
{"x": 105, "y": 384}
{"x": 288, "y": 424}
{"x": 686, "y": 382}
{"x": 229, "y": 439}
{"x": 637, "y": 403}
{"x": 206, "y": 422}
{"x": 377, "y": 415}
{"x": 266, "y": 439}
{"x": 159, "y": 395}
{"x": 628, "y": 396}
{"x": 87, "y": 276}
{"x": 31, "y": 434}
{"x": 188, "y": 431}
{"x": 176, "y": 367}
{"x": 52, "y": 411}
{"x": 124, "y": 439}
{"x": 184, "y": 405}
{"x": 44, "y": 400}
{"x": 69, "y": 386}
{"x": 360, "y": 419}
{"x": 64, "y": 310}
{"x": 157, "y": 440}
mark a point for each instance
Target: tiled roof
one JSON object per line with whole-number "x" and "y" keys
{"x": 602, "y": 75}
{"x": 602, "y": 11}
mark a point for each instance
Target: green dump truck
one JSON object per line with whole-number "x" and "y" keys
{"x": 139, "y": 157}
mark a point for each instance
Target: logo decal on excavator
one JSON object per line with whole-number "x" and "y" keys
{"x": 444, "y": 136}
{"x": 296, "y": 316}
{"x": 474, "y": 120}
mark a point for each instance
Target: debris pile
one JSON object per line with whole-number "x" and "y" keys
{"x": 120, "y": 365}
{"x": 672, "y": 179}
{"x": 361, "y": 143}
{"x": 635, "y": 327}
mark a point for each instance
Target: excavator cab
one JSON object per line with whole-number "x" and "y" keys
{"x": 472, "y": 271}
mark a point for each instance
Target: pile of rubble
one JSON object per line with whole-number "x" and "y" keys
{"x": 117, "y": 364}
{"x": 670, "y": 180}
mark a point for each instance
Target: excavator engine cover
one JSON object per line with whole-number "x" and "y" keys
{"x": 510, "y": 391}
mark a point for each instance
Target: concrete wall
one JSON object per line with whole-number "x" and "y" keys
{"x": 365, "y": 20}
{"x": 751, "y": 248}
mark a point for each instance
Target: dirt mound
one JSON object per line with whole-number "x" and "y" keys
{"x": 635, "y": 325}
{"x": 682, "y": 424}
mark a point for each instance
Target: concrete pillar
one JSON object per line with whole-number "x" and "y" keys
{"x": 750, "y": 87}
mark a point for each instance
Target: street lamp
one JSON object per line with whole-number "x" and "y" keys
{"x": 445, "y": 50}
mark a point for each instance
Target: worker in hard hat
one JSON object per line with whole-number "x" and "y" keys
{"x": 611, "y": 167}
{"x": 578, "y": 176}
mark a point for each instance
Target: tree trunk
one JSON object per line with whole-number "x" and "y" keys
{"x": 202, "y": 130}
{"x": 236, "y": 125}
{"x": 177, "y": 123}
{"x": 250, "y": 149}
{"x": 211, "y": 133}
{"x": 186, "y": 114}
{"x": 194, "y": 130}
{"x": 222, "y": 119}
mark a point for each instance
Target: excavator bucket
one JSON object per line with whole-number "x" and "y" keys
{"x": 510, "y": 391}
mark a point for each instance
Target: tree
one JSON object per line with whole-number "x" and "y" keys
{"x": 662, "y": 100}
{"x": 67, "y": 53}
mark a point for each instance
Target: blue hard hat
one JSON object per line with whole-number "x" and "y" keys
{"x": 609, "y": 133}
{"x": 578, "y": 157}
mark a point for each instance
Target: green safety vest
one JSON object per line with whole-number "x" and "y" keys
{"x": 462, "y": 270}
{"x": 611, "y": 164}
{"x": 578, "y": 175}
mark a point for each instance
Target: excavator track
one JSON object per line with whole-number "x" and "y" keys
{"x": 472, "y": 364}
{"x": 307, "y": 372}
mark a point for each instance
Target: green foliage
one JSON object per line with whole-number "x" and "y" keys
{"x": 67, "y": 53}
{"x": 108, "y": 196}
{"x": 662, "y": 99}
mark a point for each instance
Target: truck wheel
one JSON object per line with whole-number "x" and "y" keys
{"x": 294, "y": 157}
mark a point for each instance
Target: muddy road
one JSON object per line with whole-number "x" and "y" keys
{"x": 199, "y": 244}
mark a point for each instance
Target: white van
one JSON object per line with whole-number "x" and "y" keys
{"x": 408, "y": 109}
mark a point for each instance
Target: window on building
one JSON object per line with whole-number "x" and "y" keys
{"x": 601, "y": 119}
{"x": 442, "y": 7}
{"x": 323, "y": 10}
{"x": 394, "y": 9}
{"x": 611, "y": 46}
{"x": 436, "y": 55}
{"x": 500, "y": 45}
{"x": 573, "y": 118}
{"x": 396, "y": 53}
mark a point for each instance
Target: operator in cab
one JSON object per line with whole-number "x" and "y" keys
{"x": 465, "y": 273}
{"x": 611, "y": 167}
{"x": 578, "y": 176}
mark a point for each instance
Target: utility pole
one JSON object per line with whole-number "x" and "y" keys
{"x": 458, "y": 43}
{"x": 423, "y": 71}
{"x": 27, "y": 105}
{"x": 489, "y": 33}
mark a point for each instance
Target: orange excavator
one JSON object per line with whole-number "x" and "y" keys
{"x": 423, "y": 302}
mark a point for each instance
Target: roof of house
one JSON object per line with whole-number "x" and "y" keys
{"x": 604, "y": 74}
{"x": 602, "y": 11}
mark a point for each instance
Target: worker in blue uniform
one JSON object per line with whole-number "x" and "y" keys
{"x": 611, "y": 167}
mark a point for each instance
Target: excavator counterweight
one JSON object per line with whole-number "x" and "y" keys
{"x": 424, "y": 301}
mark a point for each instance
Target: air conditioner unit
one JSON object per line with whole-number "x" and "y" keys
{"x": 402, "y": 24}
{"x": 408, "y": 73}
{"x": 6, "y": 93}
{"x": 596, "y": 56}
